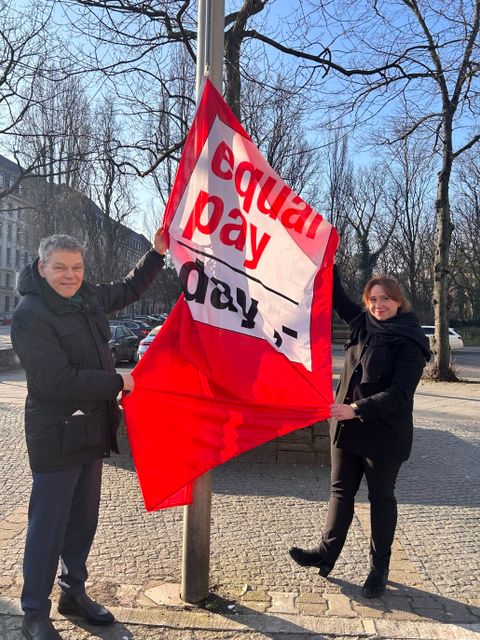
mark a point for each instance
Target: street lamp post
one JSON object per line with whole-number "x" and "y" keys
{"x": 196, "y": 526}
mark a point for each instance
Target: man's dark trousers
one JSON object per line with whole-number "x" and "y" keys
{"x": 62, "y": 520}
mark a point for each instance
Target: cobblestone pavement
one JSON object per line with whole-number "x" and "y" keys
{"x": 258, "y": 512}
{"x": 5, "y": 336}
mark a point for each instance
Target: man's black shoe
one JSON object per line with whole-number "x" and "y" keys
{"x": 375, "y": 583}
{"x": 310, "y": 558}
{"x": 84, "y": 607}
{"x": 39, "y": 629}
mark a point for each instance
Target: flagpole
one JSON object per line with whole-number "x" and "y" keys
{"x": 196, "y": 523}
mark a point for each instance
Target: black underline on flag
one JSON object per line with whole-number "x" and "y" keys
{"x": 207, "y": 255}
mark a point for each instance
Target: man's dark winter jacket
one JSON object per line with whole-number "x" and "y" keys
{"x": 383, "y": 365}
{"x": 71, "y": 414}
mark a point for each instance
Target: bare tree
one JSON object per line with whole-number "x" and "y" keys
{"x": 362, "y": 61}
{"x": 57, "y": 129}
{"x": 409, "y": 171}
{"x": 368, "y": 217}
{"x": 23, "y": 52}
{"x": 110, "y": 202}
{"x": 55, "y": 138}
{"x": 132, "y": 46}
{"x": 168, "y": 128}
{"x": 466, "y": 239}
{"x": 422, "y": 57}
{"x": 338, "y": 180}
{"x": 276, "y": 119}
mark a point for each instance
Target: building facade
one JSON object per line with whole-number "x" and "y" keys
{"x": 18, "y": 203}
{"x": 13, "y": 254}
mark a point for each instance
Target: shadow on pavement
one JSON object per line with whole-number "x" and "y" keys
{"x": 270, "y": 626}
{"x": 109, "y": 632}
{"x": 11, "y": 618}
{"x": 401, "y": 597}
{"x": 443, "y": 470}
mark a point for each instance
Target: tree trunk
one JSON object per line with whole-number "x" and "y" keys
{"x": 441, "y": 349}
{"x": 232, "y": 72}
{"x": 412, "y": 278}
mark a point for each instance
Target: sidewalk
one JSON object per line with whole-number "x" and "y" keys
{"x": 258, "y": 512}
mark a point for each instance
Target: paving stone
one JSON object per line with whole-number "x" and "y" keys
{"x": 313, "y": 608}
{"x": 256, "y": 596}
{"x": 427, "y": 602}
{"x": 282, "y": 602}
{"x": 339, "y": 605}
{"x": 167, "y": 593}
{"x": 367, "y": 612}
{"x": 253, "y": 605}
{"x": 423, "y": 631}
{"x": 438, "y": 615}
{"x": 311, "y": 598}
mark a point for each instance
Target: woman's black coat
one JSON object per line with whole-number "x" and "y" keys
{"x": 380, "y": 376}
{"x": 71, "y": 414}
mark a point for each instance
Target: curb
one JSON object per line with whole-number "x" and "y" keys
{"x": 293, "y": 625}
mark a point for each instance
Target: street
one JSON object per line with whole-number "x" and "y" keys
{"x": 466, "y": 361}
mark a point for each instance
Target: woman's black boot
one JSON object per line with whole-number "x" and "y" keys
{"x": 375, "y": 583}
{"x": 310, "y": 558}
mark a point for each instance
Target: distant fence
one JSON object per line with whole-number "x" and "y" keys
{"x": 470, "y": 335}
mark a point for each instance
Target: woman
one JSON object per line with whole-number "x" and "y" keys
{"x": 372, "y": 426}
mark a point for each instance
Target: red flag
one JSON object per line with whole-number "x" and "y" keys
{"x": 245, "y": 355}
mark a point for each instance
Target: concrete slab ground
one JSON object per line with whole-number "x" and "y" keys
{"x": 258, "y": 512}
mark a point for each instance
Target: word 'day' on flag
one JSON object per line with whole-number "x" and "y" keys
{"x": 245, "y": 355}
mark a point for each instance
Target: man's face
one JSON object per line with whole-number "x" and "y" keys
{"x": 63, "y": 271}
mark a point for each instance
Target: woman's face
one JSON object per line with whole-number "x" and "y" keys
{"x": 380, "y": 305}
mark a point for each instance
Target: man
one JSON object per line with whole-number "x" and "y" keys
{"x": 60, "y": 332}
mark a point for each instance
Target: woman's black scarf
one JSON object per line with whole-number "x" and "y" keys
{"x": 382, "y": 335}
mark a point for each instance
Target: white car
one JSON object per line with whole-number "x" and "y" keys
{"x": 146, "y": 342}
{"x": 454, "y": 338}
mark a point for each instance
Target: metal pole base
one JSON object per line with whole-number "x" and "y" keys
{"x": 196, "y": 542}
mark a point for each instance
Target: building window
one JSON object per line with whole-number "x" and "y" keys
{"x": 7, "y": 303}
{"x": 9, "y": 257}
{"x": 8, "y": 280}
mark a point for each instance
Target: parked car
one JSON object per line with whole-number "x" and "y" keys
{"x": 139, "y": 328}
{"x": 123, "y": 344}
{"x": 158, "y": 319}
{"x": 145, "y": 319}
{"x": 455, "y": 339}
{"x": 146, "y": 342}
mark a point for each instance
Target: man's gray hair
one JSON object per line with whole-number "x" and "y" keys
{"x": 59, "y": 243}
